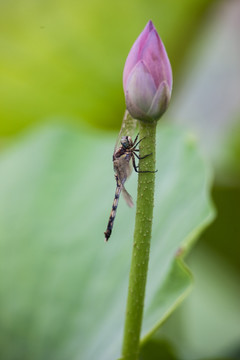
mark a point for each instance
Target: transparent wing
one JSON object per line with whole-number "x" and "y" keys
{"x": 127, "y": 197}
{"x": 128, "y": 128}
{"x": 122, "y": 167}
{"x": 123, "y": 170}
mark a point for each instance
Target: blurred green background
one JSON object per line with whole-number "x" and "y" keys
{"x": 66, "y": 57}
{"x": 62, "y": 62}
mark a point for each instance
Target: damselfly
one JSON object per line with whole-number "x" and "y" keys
{"x": 123, "y": 155}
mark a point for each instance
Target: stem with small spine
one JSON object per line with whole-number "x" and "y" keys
{"x": 141, "y": 243}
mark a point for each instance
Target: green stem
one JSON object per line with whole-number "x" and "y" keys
{"x": 141, "y": 244}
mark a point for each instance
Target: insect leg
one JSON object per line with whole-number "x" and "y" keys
{"x": 112, "y": 216}
{"x": 135, "y": 145}
{"x": 135, "y": 167}
{"x": 141, "y": 157}
{"x": 135, "y": 139}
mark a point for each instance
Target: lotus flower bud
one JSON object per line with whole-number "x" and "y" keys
{"x": 147, "y": 76}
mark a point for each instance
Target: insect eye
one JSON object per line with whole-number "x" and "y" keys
{"x": 129, "y": 141}
{"x": 125, "y": 142}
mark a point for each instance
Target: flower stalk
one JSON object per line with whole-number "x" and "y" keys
{"x": 141, "y": 244}
{"x": 147, "y": 83}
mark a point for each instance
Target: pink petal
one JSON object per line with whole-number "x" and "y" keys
{"x": 140, "y": 90}
{"x": 136, "y": 50}
{"x": 155, "y": 57}
{"x": 160, "y": 101}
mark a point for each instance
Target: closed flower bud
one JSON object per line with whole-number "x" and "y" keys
{"x": 147, "y": 76}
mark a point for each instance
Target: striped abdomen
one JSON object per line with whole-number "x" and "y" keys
{"x": 113, "y": 211}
